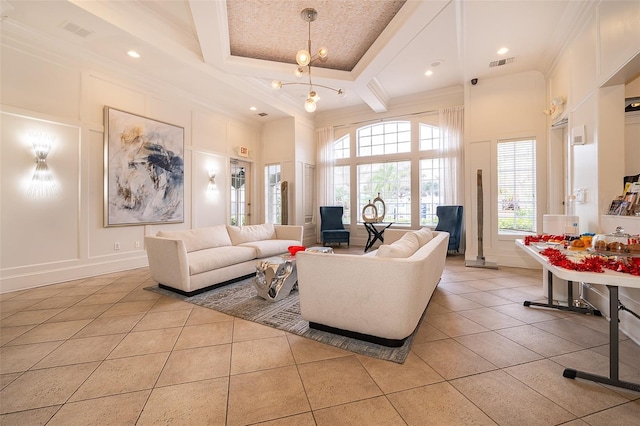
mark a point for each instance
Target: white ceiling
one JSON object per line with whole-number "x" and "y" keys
{"x": 185, "y": 45}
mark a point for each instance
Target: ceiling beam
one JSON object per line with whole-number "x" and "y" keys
{"x": 210, "y": 21}
{"x": 374, "y": 96}
{"x": 410, "y": 21}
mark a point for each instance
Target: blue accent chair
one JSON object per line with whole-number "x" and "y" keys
{"x": 331, "y": 226}
{"x": 450, "y": 220}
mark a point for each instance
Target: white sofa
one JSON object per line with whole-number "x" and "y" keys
{"x": 378, "y": 297}
{"x": 193, "y": 261}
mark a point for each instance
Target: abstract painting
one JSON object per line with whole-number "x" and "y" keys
{"x": 144, "y": 170}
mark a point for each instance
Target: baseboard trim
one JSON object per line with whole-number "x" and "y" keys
{"x": 54, "y": 273}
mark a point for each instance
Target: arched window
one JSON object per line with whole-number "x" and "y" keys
{"x": 342, "y": 148}
{"x": 429, "y": 137}
{"x": 401, "y": 160}
{"x": 342, "y": 176}
{"x": 384, "y": 138}
{"x": 431, "y": 168}
{"x": 390, "y": 175}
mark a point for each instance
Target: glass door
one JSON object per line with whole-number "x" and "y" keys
{"x": 240, "y": 195}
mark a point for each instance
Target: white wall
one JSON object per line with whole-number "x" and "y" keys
{"x": 279, "y": 147}
{"x": 60, "y": 238}
{"x": 618, "y": 39}
{"x": 632, "y": 131}
{"x": 422, "y": 102}
{"x": 592, "y": 72}
{"x": 632, "y": 143}
{"x": 289, "y": 142}
{"x": 305, "y": 155}
{"x": 500, "y": 109}
{"x": 583, "y": 171}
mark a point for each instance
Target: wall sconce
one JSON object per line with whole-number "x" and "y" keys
{"x": 42, "y": 183}
{"x": 557, "y": 107}
{"x": 212, "y": 181}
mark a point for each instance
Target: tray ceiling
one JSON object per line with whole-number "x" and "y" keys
{"x": 274, "y": 31}
{"x": 225, "y": 54}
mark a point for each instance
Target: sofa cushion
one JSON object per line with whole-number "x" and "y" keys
{"x": 267, "y": 248}
{"x": 424, "y": 236}
{"x": 201, "y": 238}
{"x": 218, "y": 257}
{"x": 404, "y": 247}
{"x": 245, "y": 234}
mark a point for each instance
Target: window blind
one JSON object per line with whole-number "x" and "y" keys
{"x": 516, "y": 165}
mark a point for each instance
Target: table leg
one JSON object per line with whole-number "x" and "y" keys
{"x": 374, "y": 235}
{"x": 370, "y": 237}
{"x": 569, "y": 306}
{"x": 613, "y": 332}
{"x": 614, "y": 355}
{"x": 570, "y": 293}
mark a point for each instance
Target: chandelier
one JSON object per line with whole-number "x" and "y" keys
{"x": 304, "y": 58}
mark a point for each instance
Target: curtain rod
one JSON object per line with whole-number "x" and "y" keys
{"x": 380, "y": 120}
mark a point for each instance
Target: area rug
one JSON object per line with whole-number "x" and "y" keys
{"x": 241, "y": 300}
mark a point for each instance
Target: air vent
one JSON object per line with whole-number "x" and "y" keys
{"x": 262, "y": 114}
{"x": 76, "y": 29}
{"x": 501, "y": 62}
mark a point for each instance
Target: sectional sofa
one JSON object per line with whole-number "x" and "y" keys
{"x": 192, "y": 261}
{"x": 379, "y": 297}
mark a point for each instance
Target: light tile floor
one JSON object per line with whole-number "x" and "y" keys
{"x": 104, "y": 351}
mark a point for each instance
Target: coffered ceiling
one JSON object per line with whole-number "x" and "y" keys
{"x": 226, "y": 53}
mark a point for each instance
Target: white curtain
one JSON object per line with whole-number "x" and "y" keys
{"x": 451, "y": 133}
{"x": 324, "y": 168}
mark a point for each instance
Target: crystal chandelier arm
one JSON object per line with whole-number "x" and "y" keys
{"x": 339, "y": 91}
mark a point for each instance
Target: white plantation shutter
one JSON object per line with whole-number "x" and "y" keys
{"x": 517, "y": 186}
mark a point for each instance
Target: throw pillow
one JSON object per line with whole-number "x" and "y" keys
{"x": 404, "y": 247}
{"x": 247, "y": 234}
{"x": 424, "y": 236}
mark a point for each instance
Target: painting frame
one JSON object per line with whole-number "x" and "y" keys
{"x": 143, "y": 170}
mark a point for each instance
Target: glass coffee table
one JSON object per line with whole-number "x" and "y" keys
{"x": 276, "y": 276}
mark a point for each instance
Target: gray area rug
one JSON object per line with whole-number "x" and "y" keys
{"x": 241, "y": 300}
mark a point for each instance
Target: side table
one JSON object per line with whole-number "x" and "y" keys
{"x": 374, "y": 234}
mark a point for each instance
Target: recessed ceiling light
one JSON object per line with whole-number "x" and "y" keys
{"x": 253, "y": 108}
{"x": 428, "y": 73}
{"x": 133, "y": 54}
{"x": 502, "y": 51}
